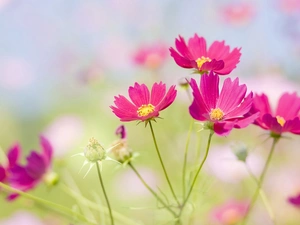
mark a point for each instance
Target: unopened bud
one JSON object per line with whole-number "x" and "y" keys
{"x": 94, "y": 152}
{"x": 241, "y": 152}
{"x": 51, "y": 178}
{"x": 121, "y": 151}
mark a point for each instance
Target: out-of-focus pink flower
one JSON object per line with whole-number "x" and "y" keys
{"x": 145, "y": 106}
{"x": 23, "y": 218}
{"x": 217, "y": 58}
{"x": 230, "y": 213}
{"x": 238, "y": 13}
{"x": 295, "y": 200}
{"x": 121, "y": 132}
{"x": 225, "y": 110}
{"x": 63, "y": 133}
{"x": 289, "y": 6}
{"x": 37, "y": 168}
{"x": 286, "y": 117}
{"x": 151, "y": 56}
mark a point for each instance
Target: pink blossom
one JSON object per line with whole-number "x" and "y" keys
{"x": 13, "y": 156}
{"x": 29, "y": 176}
{"x": 145, "y": 106}
{"x": 217, "y": 58}
{"x": 151, "y": 56}
{"x": 286, "y": 117}
{"x": 223, "y": 111}
{"x": 230, "y": 213}
{"x": 238, "y": 13}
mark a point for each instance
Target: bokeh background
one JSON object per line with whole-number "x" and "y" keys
{"x": 63, "y": 61}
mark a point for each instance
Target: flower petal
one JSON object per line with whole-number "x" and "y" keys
{"x": 2, "y": 173}
{"x": 36, "y": 166}
{"x": 209, "y": 87}
{"x": 197, "y": 47}
{"x": 180, "y": 60}
{"x": 230, "y": 62}
{"x": 231, "y": 95}
{"x": 158, "y": 91}
{"x": 242, "y": 109}
{"x": 13, "y": 155}
{"x": 272, "y": 124}
{"x": 47, "y": 150}
{"x": 288, "y": 106}
{"x": 168, "y": 99}
{"x": 223, "y": 128}
{"x": 292, "y": 126}
{"x": 242, "y": 123}
{"x": 183, "y": 48}
{"x": 139, "y": 94}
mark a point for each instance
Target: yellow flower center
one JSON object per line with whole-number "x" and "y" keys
{"x": 145, "y": 110}
{"x": 216, "y": 114}
{"x": 280, "y": 120}
{"x": 200, "y": 61}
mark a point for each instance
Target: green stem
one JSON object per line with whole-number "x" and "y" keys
{"x": 54, "y": 206}
{"x": 86, "y": 202}
{"x": 105, "y": 195}
{"x": 262, "y": 195}
{"x": 197, "y": 173}
{"x": 151, "y": 190}
{"x": 260, "y": 180}
{"x": 185, "y": 158}
{"x": 162, "y": 164}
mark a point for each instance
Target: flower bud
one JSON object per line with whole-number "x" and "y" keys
{"x": 51, "y": 178}
{"x": 241, "y": 152}
{"x": 121, "y": 151}
{"x": 94, "y": 152}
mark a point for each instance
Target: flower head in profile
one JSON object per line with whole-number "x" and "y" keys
{"x": 151, "y": 56}
{"x": 144, "y": 105}
{"x": 225, "y": 110}
{"x": 120, "y": 148}
{"x": 194, "y": 54}
{"x": 286, "y": 118}
{"x": 36, "y": 169}
{"x": 230, "y": 213}
{"x": 295, "y": 200}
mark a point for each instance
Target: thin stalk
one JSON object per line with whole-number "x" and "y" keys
{"x": 162, "y": 164}
{"x": 150, "y": 189}
{"x": 260, "y": 181}
{"x": 263, "y": 196}
{"x": 54, "y": 206}
{"x": 185, "y": 158}
{"x": 105, "y": 195}
{"x": 197, "y": 173}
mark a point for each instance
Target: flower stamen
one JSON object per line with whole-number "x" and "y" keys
{"x": 280, "y": 120}
{"x": 216, "y": 114}
{"x": 145, "y": 110}
{"x": 200, "y": 61}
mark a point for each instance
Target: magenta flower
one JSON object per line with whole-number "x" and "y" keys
{"x": 37, "y": 169}
{"x": 145, "y": 106}
{"x": 286, "y": 117}
{"x": 230, "y": 213}
{"x": 223, "y": 111}
{"x": 218, "y": 58}
{"x": 151, "y": 56}
{"x": 295, "y": 201}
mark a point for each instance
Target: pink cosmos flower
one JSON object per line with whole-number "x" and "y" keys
{"x": 151, "y": 56}
{"x": 218, "y": 58}
{"x": 295, "y": 201}
{"x": 37, "y": 168}
{"x": 286, "y": 117}
{"x": 223, "y": 111}
{"x": 145, "y": 106}
{"x": 230, "y": 213}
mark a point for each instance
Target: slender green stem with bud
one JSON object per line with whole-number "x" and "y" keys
{"x": 105, "y": 195}
{"x": 185, "y": 158}
{"x": 197, "y": 173}
{"x": 162, "y": 164}
{"x": 151, "y": 190}
{"x": 51, "y": 205}
{"x": 260, "y": 180}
